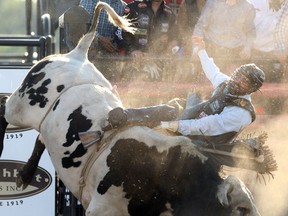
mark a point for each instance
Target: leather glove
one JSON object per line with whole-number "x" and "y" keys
{"x": 170, "y": 125}
{"x": 198, "y": 44}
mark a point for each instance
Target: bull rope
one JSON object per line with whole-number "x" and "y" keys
{"x": 101, "y": 146}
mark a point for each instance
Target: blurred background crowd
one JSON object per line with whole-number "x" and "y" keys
{"x": 235, "y": 32}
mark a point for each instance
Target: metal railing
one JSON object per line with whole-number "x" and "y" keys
{"x": 41, "y": 43}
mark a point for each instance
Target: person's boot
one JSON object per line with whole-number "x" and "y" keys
{"x": 149, "y": 116}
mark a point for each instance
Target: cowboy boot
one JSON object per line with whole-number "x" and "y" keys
{"x": 149, "y": 116}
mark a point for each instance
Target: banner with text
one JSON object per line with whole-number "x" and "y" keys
{"x": 38, "y": 198}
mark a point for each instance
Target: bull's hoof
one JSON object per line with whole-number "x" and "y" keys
{"x": 25, "y": 175}
{"x": 20, "y": 182}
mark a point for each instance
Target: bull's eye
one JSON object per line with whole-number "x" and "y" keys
{"x": 243, "y": 211}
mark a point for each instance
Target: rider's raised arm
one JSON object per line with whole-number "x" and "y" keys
{"x": 211, "y": 70}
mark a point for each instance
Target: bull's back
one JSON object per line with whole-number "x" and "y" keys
{"x": 44, "y": 84}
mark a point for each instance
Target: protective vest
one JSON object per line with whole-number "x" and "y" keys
{"x": 220, "y": 99}
{"x": 215, "y": 105}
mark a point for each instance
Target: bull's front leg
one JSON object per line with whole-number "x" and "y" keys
{"x": 27, "y": 172}
{"x": 3, "y": 122}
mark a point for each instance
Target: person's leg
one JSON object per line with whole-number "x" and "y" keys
{"x": 119, "y": 117}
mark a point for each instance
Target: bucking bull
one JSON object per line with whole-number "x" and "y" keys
{"x": 133, "y": 170}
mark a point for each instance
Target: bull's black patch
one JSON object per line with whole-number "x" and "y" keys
{"x": 60, "y": 88}
{"x": 35, "y": 76}
{"x": 68, "y": 162}
{"x": 78, "y": 123}
{"x": 150, "y": 179}
{"x": 39, "y": 66}
{"x": 37, "y": 95}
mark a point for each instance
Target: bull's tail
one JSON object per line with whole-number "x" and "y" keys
{"x": 85, "y": 42}
{"x": 3, "y": 122}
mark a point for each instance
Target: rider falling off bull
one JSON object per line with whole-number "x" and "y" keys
{"x": 217, "y": 120}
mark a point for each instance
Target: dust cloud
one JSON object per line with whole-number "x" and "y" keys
{"x": 270, "y": 194}
{"x": 271, "y": 198}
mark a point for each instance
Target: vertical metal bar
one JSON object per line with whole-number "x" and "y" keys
{"x": 28, "y": 28}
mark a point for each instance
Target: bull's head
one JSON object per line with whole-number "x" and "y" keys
{"x": 234, "y": 194}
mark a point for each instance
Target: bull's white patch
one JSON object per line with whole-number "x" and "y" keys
{"x": 112, "y": 203}
{"x": 8, "y": 173}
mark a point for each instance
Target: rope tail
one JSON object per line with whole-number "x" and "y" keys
{"x": 86, "y": 41}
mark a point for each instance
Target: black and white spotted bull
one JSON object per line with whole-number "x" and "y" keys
{"x": 132, "y": 170}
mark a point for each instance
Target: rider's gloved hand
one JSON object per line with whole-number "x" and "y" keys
{"x": 170, "y": 125}
{"x": 198, "y": 44}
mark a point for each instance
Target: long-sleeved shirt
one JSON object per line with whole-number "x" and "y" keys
{"x": 231, "y": 119}
{"x": 227, "y": 26}
{"x": 265, "y": 23}
{"x": 104, "y": 28}
{"x": 281, "y": 31}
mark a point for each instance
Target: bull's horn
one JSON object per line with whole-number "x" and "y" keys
{"x": 239, "y": 196}
{"x": 223, "y": 191}
{"x": 3, "y": 122}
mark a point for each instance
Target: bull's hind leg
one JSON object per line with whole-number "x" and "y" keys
{"x": 3, "y": 122}
{"x": 27, "y": 172}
